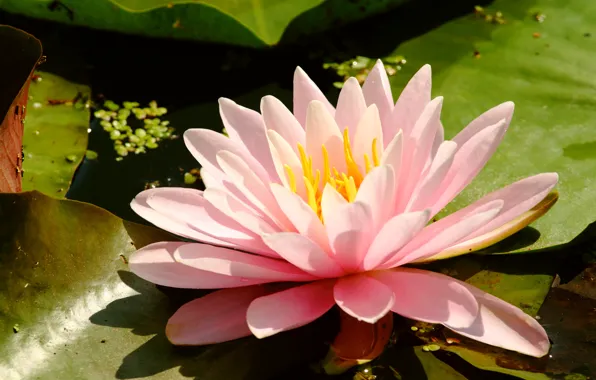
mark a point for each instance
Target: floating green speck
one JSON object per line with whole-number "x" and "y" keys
{"x": 71, "y": 158}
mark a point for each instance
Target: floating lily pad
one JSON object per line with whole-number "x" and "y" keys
{"x": 240, "y": 22}
{"x": 478, "y": 64}
{"x": 82, "y": 315}
{"x": 55, "y": 138}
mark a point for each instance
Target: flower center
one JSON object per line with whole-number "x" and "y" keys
{"x": 346, "y": 184}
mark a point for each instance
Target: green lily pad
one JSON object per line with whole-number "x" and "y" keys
{"x": 55, "y": 138}
{"x": 266, "y": 19}
{"x": 79, "y": 314}
{"x": 545, "y": 68}
{"x": 239, "y": 22}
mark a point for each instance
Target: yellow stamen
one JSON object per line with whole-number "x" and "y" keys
{"x": 367, "y": 163}
{"x": 291, "y": 178}
{"x": 351, "y": 165}
{"x": 375, "y": 153}
{"x": 351, "y": 189}
{"x": 311, "y": 196}
{"x": 326, "y": 168}
{"x": 346, "y": 184}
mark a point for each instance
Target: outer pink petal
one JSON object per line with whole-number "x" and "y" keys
{"x": 204, "y": 145}
{"x": 289, "y": 309}
{"x": 410, "y": 104}
{"x": 424, "y": 195}
{"x": 304, "y": 254}
{"x": 363, "y": 297}
{"x": 444, "y": 233}
{"x": 417, "y": 149}
{"x": 518, "y": 198}
{"x": 377, "y": 90}
{"x": 504, "y": 325}
{"x": 321, "y": 129}
{"x": 247, "y": 127}
{"x": 305, "y": 91}
{"x": 367, "y": 130}
{"x": 155, "y": 263}
{"x": 238, "y": 264}
{"x": 189, "y": 206}
{"x": 239, "y": 212}
{"x": 241, "y": 174}
{"x": 503, "y": 111}
{"x": 396, "y": 233}
{"x": 301, "y": 215}
{"x": 378, "y": 192}
{"x": 350, "y": 106}
{"x": 430, "y": 297}
{"x": 165, "y": 222}
{"x": 468, "y": 162}
{"x": 279, "y": 119}
{"x": 217, "y": 317}
{"x": 349, "y": 232}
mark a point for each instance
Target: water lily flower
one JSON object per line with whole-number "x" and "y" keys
{"x": 334, "y": 202}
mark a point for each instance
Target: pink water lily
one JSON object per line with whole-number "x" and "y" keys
{"x": 335, "y": 201}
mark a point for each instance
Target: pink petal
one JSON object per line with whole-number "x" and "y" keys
{"x": 445, "y": 232}
{"x": 301, "y": 215}
{"x": 439, "y": 139}
{"x": 349, "y": 232}
{"x": 430, "y": 297}
{"x": 251, "y": 186}
{"x": 233, "y": 263}
{"x": 289, "y": 309}
{"x": 468, "y": 162}
{"x": 377, "y": 90}
{"x": 246, "y": 126}
{"x": 204, "y": 145}
{"x": 410, "y": 104}
{"x": 209, "y": 179}
{"x": 331, "y": 202}
{"x": 279, "y": 119}
{"x": 363, "y": 297}
{"x": 397, "y": 232}
{"x": 378, "y": 192}
{"x": 283, "y": 154}
{"x": 424, "y": 196}
{"x": 368, "y": 129}
{"x": 304, "y": 254}
{"x": 176, "y": 226}
{"x": 305, "y": 91}
{"x": 155, "y": 263}
{"x": 519, "y": 199}
{"x": 393, "y": 154}
{"x": 217, "y": 317}
{"x": 350, "y": 106}
{"x": 487, "y": 119}
{"x": 321, "y": 129}
{"x": 503, "y": 325}
{"x": 189, "y": 206}
{"x": 236, "y": 210}
{"x": 417, "y": 150}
